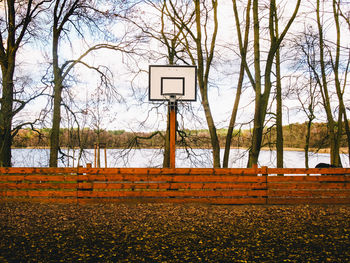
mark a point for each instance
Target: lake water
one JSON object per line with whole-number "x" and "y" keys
{"x": 154, "y": 158}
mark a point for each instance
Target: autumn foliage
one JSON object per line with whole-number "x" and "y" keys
{"x": 32, "y": 232}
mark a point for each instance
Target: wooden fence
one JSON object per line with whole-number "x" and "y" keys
{"x": 216, "y": 186}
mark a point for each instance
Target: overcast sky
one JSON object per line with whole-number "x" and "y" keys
{"x": 128, "y": 116}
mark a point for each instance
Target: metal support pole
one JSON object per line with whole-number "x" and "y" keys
{"x": 172, "y": 133}
{"x": 95, "y": 155}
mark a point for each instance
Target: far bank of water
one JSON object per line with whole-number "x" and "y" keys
{"x": 153, "y": 158}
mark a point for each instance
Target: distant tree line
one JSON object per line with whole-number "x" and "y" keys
{"x": 294, "y": 138}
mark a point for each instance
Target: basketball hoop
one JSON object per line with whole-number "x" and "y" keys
{"x": 172, "y": 84}
{"x": 167, "y": 81}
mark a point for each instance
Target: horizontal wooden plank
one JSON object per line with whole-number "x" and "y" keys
{"x": 37, "y": 170}
{"x": 39, "y": 200}
{"x": 308, "y": 192}
{"x": 221, "y": 201}
{"x": 215, "y": 171}
{"x": 325, "y": 178}
{"x": 293, "y": 201}
{"x": 309, "y": 185}
{"x": 169, "y": 171}
{"x": 164, "y": 171}
{"x": 38, "y": 178}
{"x": 170, "y": 186}
{"x": 304, "y": 171}
{"x": 171, "y": 193}
{"x": 12, "y": 186}
{"x": 172, "y": 178}
{"x": 37, "y": 193}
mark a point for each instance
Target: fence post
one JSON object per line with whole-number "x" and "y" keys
{"x": 264, "y": 172}
{"x": 255, "y": 167}
{"x": 78, "y": 182}
{"x": 83, "y": 187}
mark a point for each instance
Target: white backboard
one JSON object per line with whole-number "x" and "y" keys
{"x": 166, "y": 81}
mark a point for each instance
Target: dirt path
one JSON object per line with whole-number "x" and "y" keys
{"x": 173, "y": 233}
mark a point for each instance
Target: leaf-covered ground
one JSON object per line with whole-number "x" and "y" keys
{"x": 32, "y": 232}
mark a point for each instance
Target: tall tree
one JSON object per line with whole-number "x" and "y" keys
{"x": 279, "y": 124}
{"x": 337, "y": 79}
{"x": 204, "y": 44}
{"x": 16, "y": 25}
{"x": 81, "y": 16}
{"x": 306, "y": 87}
{"x": 324, "y": 87}
{"x": 327, "y": 65}
{"x": 243, "y": 46}
{"x": 263, "y": 90}
{"x": 197, "y": 23}
{"x": 327, "y": 57}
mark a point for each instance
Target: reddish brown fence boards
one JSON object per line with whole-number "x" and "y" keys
{"x": 39, "y": 184}
{"x": 323, "y": 186}
{"x": 220, "y": 186}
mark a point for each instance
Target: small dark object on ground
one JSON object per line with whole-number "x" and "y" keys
{"x": 325, "y": 165}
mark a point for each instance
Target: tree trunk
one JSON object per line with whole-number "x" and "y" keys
{"x": 347, "y": 131}
{"x": 262, "y": 99}
{"x": 213, "y": 134}
{"x": 203, "y": 76}
{"x": 334, "y": 149}
{"x": 243, "y": 44}
{"x": 258, "y": 128}
{"x": 233, "y": 118}
{"x": 342, "y": 110}
{"x": 257, "y": 133}
{"x": 8, "y": 49}
{"x": 55, "y": 130}
{"x": 279, "y": 124}
{"x": 57, "y": 100}
{"x": 6, "y": 115}
{"x": 307, "y": 143}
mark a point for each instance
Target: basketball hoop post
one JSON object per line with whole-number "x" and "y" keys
{"x": 172, "y": 83}
{"x": 172, "y": 133}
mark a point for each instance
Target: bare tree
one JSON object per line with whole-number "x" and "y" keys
{"x": 326, "y": 62}
{"x": 329, "y": 60}
{"x": 243, "y": 46}
{"x": 80, "y": 16}
{"x": 340, "y": 89}
{"x": 279, "y": 124}
{"x": 16, "y": 25}
{"x": 179, "y": 29}
{"x": 200, "y": 47}
{"x": 263, "y": 90}
{"x": 158, "y": 27}
{"x": 306, "y": 88}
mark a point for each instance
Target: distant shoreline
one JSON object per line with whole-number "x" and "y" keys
{"x": 343, "y": 150}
